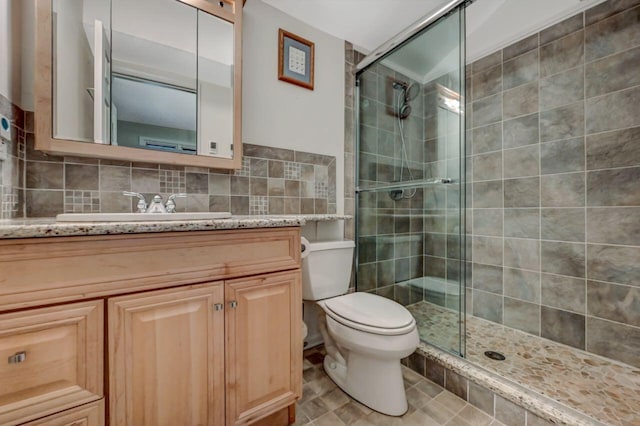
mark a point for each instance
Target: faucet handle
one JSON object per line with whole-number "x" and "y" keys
{"x": 171, "y": 204}
{"x": 142, "y": 203}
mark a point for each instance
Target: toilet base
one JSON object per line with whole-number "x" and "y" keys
{"x": 376, "y": 383}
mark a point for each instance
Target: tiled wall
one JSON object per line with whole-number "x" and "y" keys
{"x": 554, "y": 124}
{"x": 12, "y": 169}
{"x": 390, "y": 232}
{"x": 352, "y": 57}
{"x": 417, "y": 236}
{"x": 271, "y": 181}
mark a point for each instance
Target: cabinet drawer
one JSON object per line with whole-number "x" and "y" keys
{"x": 53, "y": 270}
{"x": 50, "y": 360}
{"x": 91, "y": 414}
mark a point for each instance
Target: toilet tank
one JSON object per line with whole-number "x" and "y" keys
{"x": 326, "y": 269}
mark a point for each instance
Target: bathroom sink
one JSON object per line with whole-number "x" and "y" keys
{"x": 139, "y": 217}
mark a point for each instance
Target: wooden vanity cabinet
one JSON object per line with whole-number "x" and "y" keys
{"x": 91, "y": 414}
{"x": 166, "y": 357}
{"x": 167, "y": 352}
{"x": 51, "y": 359}
{"x": 195, "y": 328}
{"x": 264, "y": 345}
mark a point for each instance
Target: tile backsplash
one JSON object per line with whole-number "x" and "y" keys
{"x": 271, "y": 181}
{"x": 76, "y": 185}
{"x": 554, "y": 164}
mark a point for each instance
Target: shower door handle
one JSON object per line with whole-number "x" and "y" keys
{"x": 406, "y": 184}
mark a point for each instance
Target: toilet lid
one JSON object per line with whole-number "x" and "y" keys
{"x": 370, "y": 310}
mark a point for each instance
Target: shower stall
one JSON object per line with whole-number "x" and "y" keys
{"x": 498, "y": 202}
{"x": 410, "y": 194}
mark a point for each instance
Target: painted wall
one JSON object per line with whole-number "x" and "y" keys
{"x": 279, "y": 114}
{"x": 216, "y": 119}
{"x": 74, "y": 69}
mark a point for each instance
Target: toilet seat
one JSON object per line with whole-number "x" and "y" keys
{"x": 370, "y": 313}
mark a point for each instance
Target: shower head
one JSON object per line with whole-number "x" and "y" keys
{"x": 408, "y": 93}
{"x": 412, "y": 92}
{"x": 404, "y": 111}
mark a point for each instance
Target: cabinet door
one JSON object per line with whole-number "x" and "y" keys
{"x": 50, "y": 360}
{"x": 264, "y": 345}
{"x": 166, "y": 357}
{"x": 88, "y": 415}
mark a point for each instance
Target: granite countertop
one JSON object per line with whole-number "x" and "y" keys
{"x": 48, "y": 227}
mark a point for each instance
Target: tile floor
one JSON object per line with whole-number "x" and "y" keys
{"x": 323, "y": 403}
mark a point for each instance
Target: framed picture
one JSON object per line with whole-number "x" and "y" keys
{"x": 295, "y": 59}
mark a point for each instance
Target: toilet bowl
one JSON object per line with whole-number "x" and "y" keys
{"x": 365, "y": 335}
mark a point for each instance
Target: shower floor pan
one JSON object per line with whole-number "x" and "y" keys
{"x": 602, "y": 389}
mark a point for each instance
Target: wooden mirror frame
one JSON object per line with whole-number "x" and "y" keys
{"x": 228, "y": 10}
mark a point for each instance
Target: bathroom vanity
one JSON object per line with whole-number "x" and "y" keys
{"x": 156, "y": 328}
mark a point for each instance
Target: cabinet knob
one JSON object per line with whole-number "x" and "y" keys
{"x": 233, "y": 304}
{"x": 18, "y": 357}
{"x": 218, "y": 306}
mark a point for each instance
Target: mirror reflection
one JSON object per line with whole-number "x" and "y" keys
{"x": 153, "y": 115}
{"x": 76, "y": 24}
{"x": 149, "y": 74}
{"x": 215, "y": 86}
{"x": 154, "y": 75}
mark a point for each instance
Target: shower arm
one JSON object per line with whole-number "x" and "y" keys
{"x": 413, "y": 183}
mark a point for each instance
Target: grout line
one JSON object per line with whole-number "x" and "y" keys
{"x": 586, "y": 193}
{"x": 636, "y": 87}
{"x": 502, "y": 167}
{"x": 539, "y": 200}
{"x": 586, "y": 315}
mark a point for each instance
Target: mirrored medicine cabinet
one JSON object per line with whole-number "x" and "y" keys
{"x": 140, "y": 80}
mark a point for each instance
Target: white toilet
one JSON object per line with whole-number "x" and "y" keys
{"x": 365, "y": 335}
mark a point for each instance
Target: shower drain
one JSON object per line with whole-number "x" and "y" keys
{"x": 496, "y": 356}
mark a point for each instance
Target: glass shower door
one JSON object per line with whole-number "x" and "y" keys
{"x": 410, "y": 191}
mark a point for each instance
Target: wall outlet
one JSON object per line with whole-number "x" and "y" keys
{"x": 5, "y": 128}
{"x": 3, "y": 151}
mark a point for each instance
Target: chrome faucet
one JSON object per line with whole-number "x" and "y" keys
{"x": 142, "y": 203}
{"x": 156, "y": 205}
{"x": 171, "y": 204}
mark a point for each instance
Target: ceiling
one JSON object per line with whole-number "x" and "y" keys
{"x": 365, "y": 23}
{"x": 491, "y": 24}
